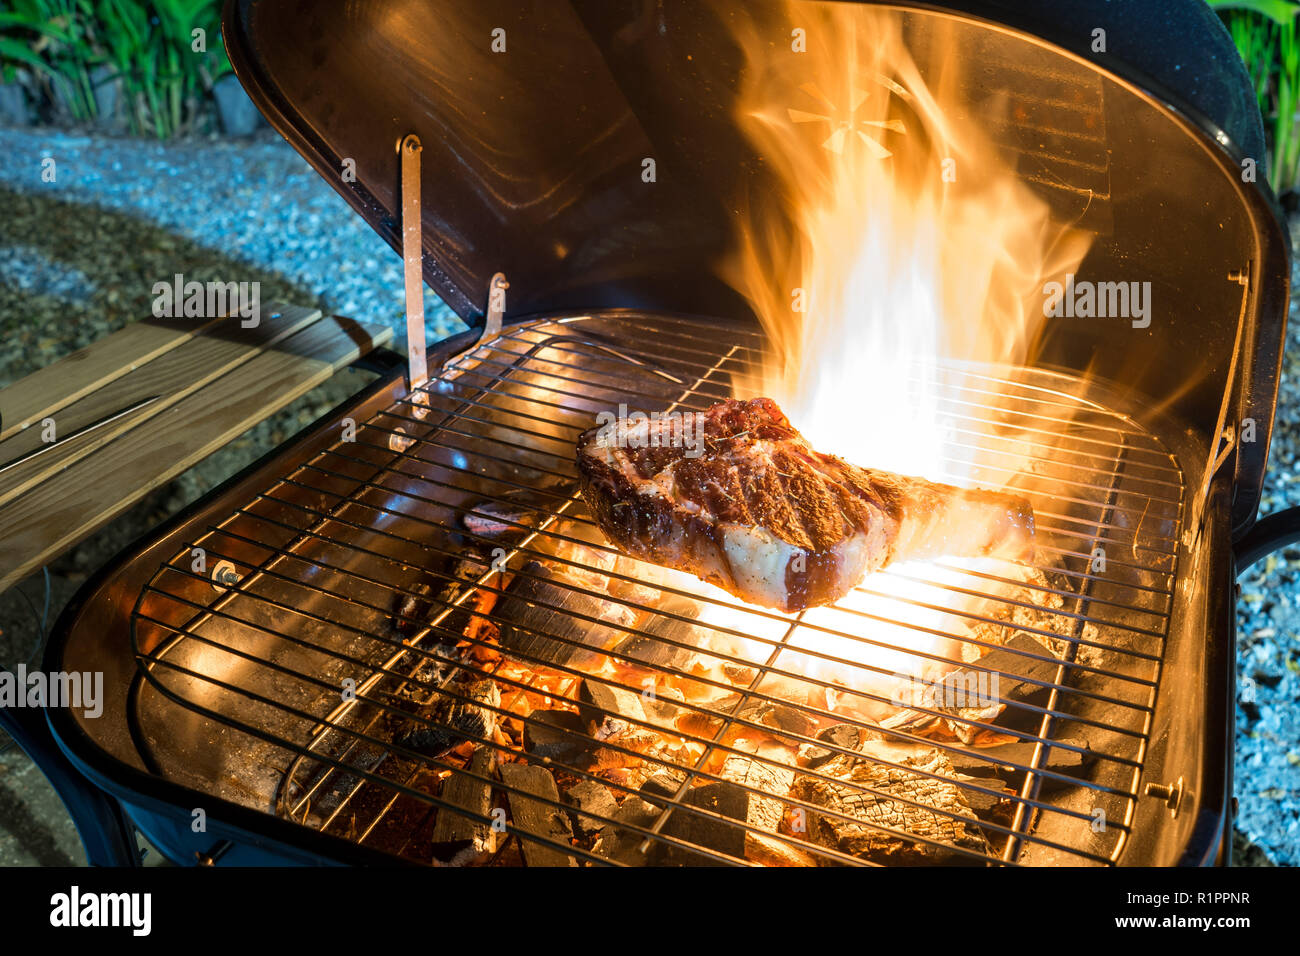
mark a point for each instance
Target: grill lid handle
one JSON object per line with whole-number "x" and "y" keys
{"x": 1272, "y": 533}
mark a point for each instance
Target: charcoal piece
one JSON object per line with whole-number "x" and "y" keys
{"x": 975, "y": 693}
{"x": 984, "y": 805}
{"x": 741, "y": 675}
{"x": 964, "y": 722}
{"x": 662, "y": 785}
{"x": 455, "y": 720}
{"x": 623, "y": 845}
{"x": 723, "y": 836}
{"x": 473, "y": 795}
{"x": 533, "y": 628}
{"x": 1014, "y": 671}
{"x": 846, "y": 793}
{"x": 995, "y": 762}
{"x": 411, "y": 609}
{"x": 651, "y": 646}
{"x": 844, "y": 736}
{"x": 663, "y": 706}
{"x": 557, "y": 735}
{"x": 608, "y": 710}
{"x": 773, "y": 780}
{"x": 737, "y": 839}
{"x": 772, "y": 851}
{"x": 629, "y": 747}
{"x": 533, "y": 817}
{"x": 587, "y": 798}
{"x": 776, "y": 716}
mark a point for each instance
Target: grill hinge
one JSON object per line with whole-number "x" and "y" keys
{"x": 495, "y": 311}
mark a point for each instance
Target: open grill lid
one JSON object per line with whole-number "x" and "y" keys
{"x": 535, "y": 159}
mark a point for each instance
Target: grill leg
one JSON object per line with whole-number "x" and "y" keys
{"x": 106, "y": 834}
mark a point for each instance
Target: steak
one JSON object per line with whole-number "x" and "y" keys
{"x": 736, "y": 496}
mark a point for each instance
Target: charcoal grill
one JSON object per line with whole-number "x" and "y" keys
{"x": 270, "y": 651}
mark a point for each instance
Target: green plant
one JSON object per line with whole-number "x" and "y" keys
{"x": 1266, "y": 35}
{"x": 165, "y": 53}
{"x": 1286, "y": 135}
{"x": 53, "y": 39}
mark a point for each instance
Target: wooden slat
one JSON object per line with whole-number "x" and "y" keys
{"x": 66, "y": 508}
{"x": 74, "y": 376}
{"x": 180, "y": 372}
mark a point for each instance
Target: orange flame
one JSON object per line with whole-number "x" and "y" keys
{"x": 897, "y": 241}
{"x": 914, "y": 244}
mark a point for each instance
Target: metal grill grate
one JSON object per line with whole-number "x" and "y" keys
{"x": 341, "y": 615}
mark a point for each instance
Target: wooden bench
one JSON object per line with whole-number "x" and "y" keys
{"x": 134, "y": 410}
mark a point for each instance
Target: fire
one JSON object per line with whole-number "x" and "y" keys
{"x": 915, "y": 245}
{"x": 895, "y": 242}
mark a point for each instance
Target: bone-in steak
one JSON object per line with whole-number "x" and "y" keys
{"x": 736, "y": 496}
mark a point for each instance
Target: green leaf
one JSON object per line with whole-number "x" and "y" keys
{"x": 1279, "y": 11}
{"x": 16, "y": 50}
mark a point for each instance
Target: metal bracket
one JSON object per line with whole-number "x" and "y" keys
{"x": 495, "y": 311}
{"x": 417, "y": 365}
{"x": 1224, "y": 439}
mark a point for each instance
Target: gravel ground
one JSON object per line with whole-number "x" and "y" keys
{"x": 254, "y": 210}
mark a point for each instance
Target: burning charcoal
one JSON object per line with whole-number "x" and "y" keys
{"x": 534, "y": 817}
{"x": 1014, "y": 671}
{"x": 740, "y": 674}
{"x": 412, "y": 608}
{"x": 773, "y": 714}
{"x": 652, "y": 646}
{"x": 662, "y": 784}
{"x": 624, "y": 846}
{"x": 771, "y": 851}
{"x": 909, "y": 721}
{"x": 731, "y": 801}
{"x": 995, "y": 761}
{"x": 474, "y": 796}
{"x": 587, "y": 566}
{"x": 1035, "y": 606}
{"x": 627, "y": 748}
{"x": 846, "y": 795}
{"x": 527, "y": 622}
{"x": 628, "y": 589}
{"x": 844, "y": 736}
{"x": 726, "y": 799}
{"x": 557, "y": 735}
{"x": 964, "y": 721}
{"x": 590, "y": 797}
{"x": 984, "y": 805}
{"x": 663, "y": 706}
{"x": 457, "y": 720}
{"x": 773, "y": 780}
{"x": 778, "y": 716}
{"x": 607, "y": 709}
